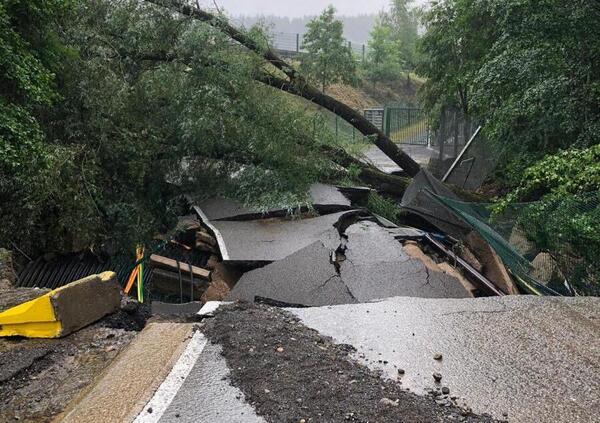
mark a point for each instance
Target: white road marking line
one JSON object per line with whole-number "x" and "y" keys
{"x": 168, "y": 389}
{"x": 209, "y": 309}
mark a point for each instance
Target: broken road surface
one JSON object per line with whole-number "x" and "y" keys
{"x": 508, "y": 357}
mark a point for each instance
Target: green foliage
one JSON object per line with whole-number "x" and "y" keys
{"x": 392, "y": 46}
{"x": 383, "y": 207}
{"x": 384, "y": 61}
{"x": 328, "y": 59}
{"x": 567, "y": 227}
{"x": 458, "y": 37}
{"x": 29, "y": 52}
{"x": 148, "y": 106}
{"x": 570, "y": 172}
{"x": 565, "y": 220}
{"x": 528, "y": 70}
{"x": 403, "y": 22}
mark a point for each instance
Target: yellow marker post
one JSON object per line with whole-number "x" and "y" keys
{"x": 140, "y": 276}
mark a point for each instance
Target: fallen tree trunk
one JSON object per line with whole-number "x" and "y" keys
{"x": 382, "y": 182}
{"x": 386, "y": 183}
{"x": 298, "y": 86}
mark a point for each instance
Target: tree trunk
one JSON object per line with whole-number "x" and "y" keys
{"x": 348, "y": 114}
{"x": 297, "y": 85}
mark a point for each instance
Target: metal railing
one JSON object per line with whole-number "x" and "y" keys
{"x": 403, "y": 125}
{"x": 407, "y": 125}
{"x": 290, "y": 44}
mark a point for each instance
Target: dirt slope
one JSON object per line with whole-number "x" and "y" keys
{"x": 367, "y": 94}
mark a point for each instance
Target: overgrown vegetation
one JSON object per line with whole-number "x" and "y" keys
{"x": 529, "y": 71}
{"x": 111, "y": 111}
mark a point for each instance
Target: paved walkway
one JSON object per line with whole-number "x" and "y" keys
{"x": 419, "y": 153}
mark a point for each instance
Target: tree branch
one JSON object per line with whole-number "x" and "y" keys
{"x": 298, "y": 86}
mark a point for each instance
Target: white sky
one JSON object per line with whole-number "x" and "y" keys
{"x": 296, "y": 8}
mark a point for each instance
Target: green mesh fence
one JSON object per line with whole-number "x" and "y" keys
{"x": 550, "y": 246}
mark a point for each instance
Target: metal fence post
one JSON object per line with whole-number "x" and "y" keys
{"x": 297, "y": 43}
{"x": 363, "y": 53}
{"x": 442, "y": 134}
{"x": 455, "y": 133}
{"x": 386, "y": 120}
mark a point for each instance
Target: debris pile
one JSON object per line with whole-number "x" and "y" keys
{"x": 343, "y": 255}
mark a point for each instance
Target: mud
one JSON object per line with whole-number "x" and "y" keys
{"x": 289, "y": 372}
{"x": 39, "y": 377}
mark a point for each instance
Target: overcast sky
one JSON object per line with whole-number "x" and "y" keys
{"x": 295, "y": 8}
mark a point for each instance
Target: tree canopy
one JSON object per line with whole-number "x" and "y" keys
{"x": 328, "y": 59}
{"x": 384, "y": 58}
{"x": 148, "y": 106}
{"x": 392, "y": 43}
{"x": 528, "y": 69}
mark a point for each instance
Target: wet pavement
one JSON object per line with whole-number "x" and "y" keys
{"x": 529, "y": 358}
{"x": 207, "y": 396}
{"x": 419, "y": 153}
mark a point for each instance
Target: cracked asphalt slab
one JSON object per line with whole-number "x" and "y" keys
{"x": 366, "y": 263}
{"x": 290, "y": 373}
{"x": 306, "y": 277}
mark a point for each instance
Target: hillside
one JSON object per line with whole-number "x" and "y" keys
{"x": 367, "y": 94}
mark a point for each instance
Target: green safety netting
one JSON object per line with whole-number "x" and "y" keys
{"x": 557, "y": 240}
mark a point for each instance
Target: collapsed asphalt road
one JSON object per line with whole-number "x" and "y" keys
{"x": 290, "y": 373}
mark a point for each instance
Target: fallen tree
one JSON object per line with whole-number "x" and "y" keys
{"x": 297, "y": 85}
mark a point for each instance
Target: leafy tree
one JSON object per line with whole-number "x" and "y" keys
{"x": 149, "y": 106}
{"x": 458, "y": 37}
{"x": 384, "y": 60}
{"x": 403, "y": 22}
{"x": 529, "y": 70}
{"x": 328, "y": 59}
{"x": 29, "y": 54}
